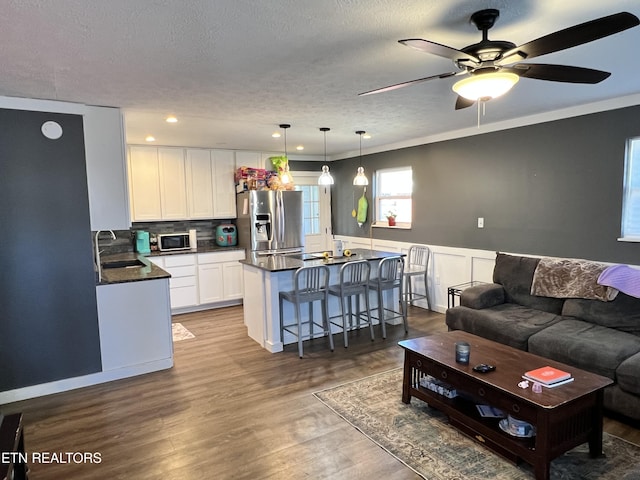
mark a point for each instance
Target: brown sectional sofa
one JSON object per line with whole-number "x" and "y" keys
{"x": 598, "y": 336}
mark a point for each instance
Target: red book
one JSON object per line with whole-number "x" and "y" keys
{"x": 547, "y": 375}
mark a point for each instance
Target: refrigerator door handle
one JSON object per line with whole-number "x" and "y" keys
{"x": 280, "y": 213}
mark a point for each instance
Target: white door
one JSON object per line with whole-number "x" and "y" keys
{"x": 316, "y": 211}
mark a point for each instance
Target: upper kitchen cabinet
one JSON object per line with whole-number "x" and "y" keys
{"x": 224, "y": 203}
{"x": 181, "y": 184}
{"x": 249, "y": 159}
{"x": 106, "y": 168}
{"x": 210, "y": 183}
{"x": 144, "y": 184}
{"x": 173, "y": 192}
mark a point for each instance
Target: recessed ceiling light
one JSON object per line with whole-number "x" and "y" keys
{"x": 150, "y": 138}
{"x": 172, "y": 119}
{"x": 275, "y": 134}
{"x": 300, "y": 147}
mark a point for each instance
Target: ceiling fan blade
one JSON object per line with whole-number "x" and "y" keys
{"x": 571, "y": 37}
{"x": 411, "y": 82}
{"x": 462, "y": 102}
{"x": 557, "y": 73}
{"x": 440, "y": 50}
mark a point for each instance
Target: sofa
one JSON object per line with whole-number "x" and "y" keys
{"x": 598, "y": 335}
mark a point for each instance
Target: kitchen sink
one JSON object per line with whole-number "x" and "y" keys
{"x": 133, "y": 263}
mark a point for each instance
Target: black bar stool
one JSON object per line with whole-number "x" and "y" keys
{"x": 354, "y": 281}
{"x": 310, "y": 285}
{"x": 390, "y": 277}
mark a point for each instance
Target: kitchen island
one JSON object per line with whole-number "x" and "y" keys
{"x": 265, "y": 276}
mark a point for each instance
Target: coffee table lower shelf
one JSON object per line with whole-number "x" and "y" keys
{"x": 464, "y": 416}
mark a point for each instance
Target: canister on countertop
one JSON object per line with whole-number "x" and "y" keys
{"x": 193, "y": 239}
{"x": 226, "y": 235}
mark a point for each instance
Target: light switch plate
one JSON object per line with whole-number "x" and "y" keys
{"x": 480, "y": 222}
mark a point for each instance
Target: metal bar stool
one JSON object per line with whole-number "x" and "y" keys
{"x": 390, "y": 277}
{"x": 354, "y": 281}
{"x": 310, "y": 285}
{"x": 417, "y": 266}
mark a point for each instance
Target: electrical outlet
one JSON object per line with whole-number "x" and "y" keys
{"x": 437, "y": 279}
{"x": 480, "y": 222}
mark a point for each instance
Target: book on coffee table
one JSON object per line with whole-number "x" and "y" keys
{"x": 547, "y": 375}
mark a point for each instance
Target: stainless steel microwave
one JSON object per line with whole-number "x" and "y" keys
{"x": 173, "y": 241}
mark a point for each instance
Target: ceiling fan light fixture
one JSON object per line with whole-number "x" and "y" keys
{"x": 485, "y": 86}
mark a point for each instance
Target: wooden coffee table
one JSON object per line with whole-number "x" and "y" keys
{"x": 564, "y": 416}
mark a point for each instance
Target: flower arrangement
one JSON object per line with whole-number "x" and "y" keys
{"x": 391, "y": 217}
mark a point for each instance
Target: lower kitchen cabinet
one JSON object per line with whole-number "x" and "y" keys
{"x": 220, "y": 276}
{"x": 203, "y": 280}
{"x": 135, "y": 325}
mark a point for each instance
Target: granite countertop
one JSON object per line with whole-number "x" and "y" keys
{"x": 293, "y": 261}
{"x": 134, "y": 274}
{"x": 149, "y": 271}
{"x": 206, "y": 246}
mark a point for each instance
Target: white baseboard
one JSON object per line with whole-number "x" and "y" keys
{"x": 58, "y": 386}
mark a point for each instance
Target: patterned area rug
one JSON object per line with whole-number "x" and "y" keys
{"x": 180, "y": 332}
{"x": 421, "y": 438}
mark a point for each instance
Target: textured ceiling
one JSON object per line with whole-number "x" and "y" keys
{"x": 232, "y": 70}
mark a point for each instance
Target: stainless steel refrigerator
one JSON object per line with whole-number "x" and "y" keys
{"x": 270, "y": 221}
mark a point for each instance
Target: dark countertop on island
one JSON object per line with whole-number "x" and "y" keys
{"x": 293, "y": 261}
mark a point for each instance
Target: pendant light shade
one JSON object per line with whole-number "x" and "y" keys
{"x": 485, "y": 86}
{"x": 360, "y": 178}
{"x": 325, "y": 178}
{"x": 285, "y": 176}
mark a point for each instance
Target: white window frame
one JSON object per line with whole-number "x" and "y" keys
{"x": 380, "y": 219}
{"x": 631, "y": 191}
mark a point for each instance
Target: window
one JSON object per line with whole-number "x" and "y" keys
{"x": 393, "y": 189}
{"x": 311, "y": 208}
{"x": 631, "y": 199}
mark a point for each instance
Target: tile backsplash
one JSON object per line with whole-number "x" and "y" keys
{"x": 125, "y": 239}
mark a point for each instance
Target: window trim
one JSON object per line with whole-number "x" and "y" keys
{"x": 376, "y": 198}
{"x": 626, "y": 187}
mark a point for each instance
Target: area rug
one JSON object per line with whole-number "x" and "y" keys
{"x": 180, "y": 332}
{"x": 421, "y": 438}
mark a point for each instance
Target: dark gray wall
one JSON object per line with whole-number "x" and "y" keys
{"x": 48, "y": 313}
{"x": 549, "y": 189}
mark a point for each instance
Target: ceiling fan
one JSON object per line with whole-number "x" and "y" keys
{"x": 493, "y": 66}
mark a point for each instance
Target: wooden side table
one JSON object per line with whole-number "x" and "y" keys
{"x": 13, "y": 461}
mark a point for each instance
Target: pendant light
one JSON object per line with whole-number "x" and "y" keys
{"x": 325, "y": 178}
{"x": 285, "y": 176}
{"x": 360, "y": 178}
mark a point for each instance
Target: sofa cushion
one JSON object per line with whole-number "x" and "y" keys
{"x": 627, "y": 374}
{"x": 622, "y": 313}
{"x": 585, "y": 345}
{"x": 482, "y": 296}
{"x": 509, "y": 323}
{"x": 515, "y": 274}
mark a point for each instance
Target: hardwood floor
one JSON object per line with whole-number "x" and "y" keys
{"x": 228, "y": 409}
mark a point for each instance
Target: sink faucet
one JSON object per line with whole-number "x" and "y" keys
{"x": 98, "y": 252}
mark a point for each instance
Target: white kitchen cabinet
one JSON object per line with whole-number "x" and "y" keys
{"x": 220, "y": 276}
{"x": 211, "y": 283}
{"x": 173, "y": 194}
{"x": 106, "y": 169}
{"x": 199, "y": 172}
{"x": 249, "y": 159}
{"x": 144, "y": 184}
{"x": 224, "y": 202}
{"x": 135, "y": 325}
{"x": 184, "y": 282}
